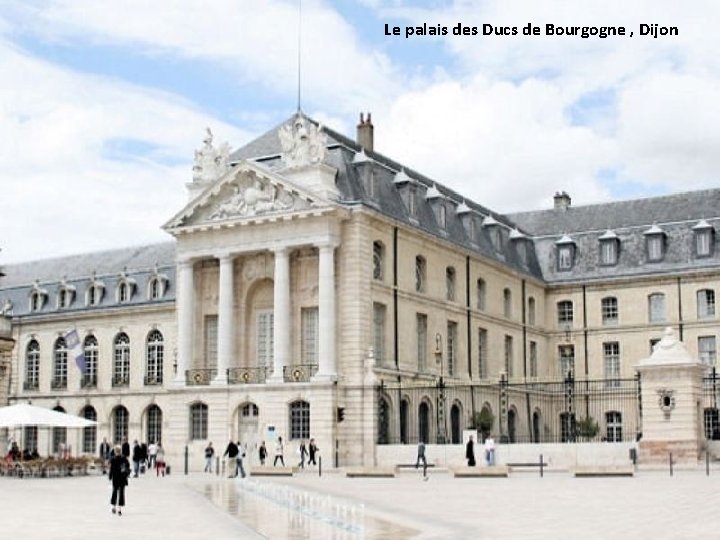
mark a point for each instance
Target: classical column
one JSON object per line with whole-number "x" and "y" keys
{"x": 226, "y": 295}
{"x": 327, "y": 369}
{"x": 281, "y": 315}
{"x": 185, "y": 303}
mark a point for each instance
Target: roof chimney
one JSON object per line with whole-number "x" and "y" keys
{"x": 365, "y": 132}
{"x": 562, "y": 200}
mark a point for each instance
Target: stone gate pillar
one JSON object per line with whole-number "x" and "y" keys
{"x": 672, "y": 391}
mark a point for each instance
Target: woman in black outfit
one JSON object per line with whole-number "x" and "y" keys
{"x": 119, "y": 472}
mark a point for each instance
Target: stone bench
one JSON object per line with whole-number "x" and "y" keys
{"x": 370, "y": 472}
{"x": 272, "y": 471}
{"x": 604, "y": 470}
{"x": 497, "y": 471}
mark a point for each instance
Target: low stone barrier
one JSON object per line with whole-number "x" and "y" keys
{"x": 608, "y": 470}
{"x": 370, "y": 472}
{"x": 498, "y": 471}
{"x": 272, "y": 471}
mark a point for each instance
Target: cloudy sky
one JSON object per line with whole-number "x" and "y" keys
{"x": 102, "y": 103}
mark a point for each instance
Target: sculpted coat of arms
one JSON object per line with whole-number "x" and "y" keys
{"x": 303, "y": 143}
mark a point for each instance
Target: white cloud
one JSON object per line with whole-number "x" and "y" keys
{"x": 62, "y": 193}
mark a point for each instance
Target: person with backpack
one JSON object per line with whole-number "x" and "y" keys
{"x": 118, "y": 475}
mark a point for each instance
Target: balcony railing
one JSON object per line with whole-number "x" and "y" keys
{"x": 199, "y": 377}
{"x": 153, "y": 380}
{"x": 299, "y": 372}
{"x": 120, "y": 380}
{"x": 58, "y": 384}
{"x": 31, "y": 385}
{"x": 247, "y": 375}
{"x": 88, "y": 381}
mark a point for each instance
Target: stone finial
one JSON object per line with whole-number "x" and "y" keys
{"x": 669, "y": 350}
{"x": 210, "y": 163}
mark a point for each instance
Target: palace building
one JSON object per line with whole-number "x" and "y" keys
{"x": 312, "y": 287}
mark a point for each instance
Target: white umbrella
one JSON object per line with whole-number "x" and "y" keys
{"x": 22, "y": 414}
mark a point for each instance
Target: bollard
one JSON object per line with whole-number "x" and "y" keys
{"x": 541, "y": 465}
{"x": 217, "y": 466}
{"x": 186, "y": 460}
{"x": 671, "y": 464}
{"x": 319, "y": 465}
{"x": 707, "y": 463}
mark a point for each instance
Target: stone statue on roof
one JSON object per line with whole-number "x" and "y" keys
{"x": 210, "y": 163}
{"x": 303, "y": 143}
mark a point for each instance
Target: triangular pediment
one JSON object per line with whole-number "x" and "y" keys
{"x": 248, "y": 191}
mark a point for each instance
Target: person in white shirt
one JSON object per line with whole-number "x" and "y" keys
{"x": 279, "y": 451}
{"x": 490, "y": 451}
{"x": 152, "y": 454}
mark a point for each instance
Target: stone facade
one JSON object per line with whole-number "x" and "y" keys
{"x": 304, "y": 273}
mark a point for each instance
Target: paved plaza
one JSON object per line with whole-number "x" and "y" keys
{"x": 558, "y": 506}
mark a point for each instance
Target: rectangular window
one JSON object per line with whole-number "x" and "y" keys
{"x": 309, "y": 323}
{"x": 451, "y": 348}
{"x": 30, "y": 438}
{"x": 265, "y": 321}
{"x": 565, "y": 258}
{"x": 533, "y": 359}
{"x": 379, "y": 332}
{"x": 565, "y": 313}
{"x": 707, "y": 350}
{"x": 608, "y": 252}
{"x": 211, "y": 341}
{"x": 656, "y": 307}
{"x": 655, "y": 247}
{"x": 706, "y": 304}
{"x": 609, "y": 311}
{"x": 421, "y": 334}
{"x": 509, "y": 356}
{"x": 482, "y": 353}
{"x": 702, "y": 242}
{"x": 711, "y": 418}
{"x": 198, "y": 422}
{"x": 611, "y": 357}
{"x": 567, "y": 360}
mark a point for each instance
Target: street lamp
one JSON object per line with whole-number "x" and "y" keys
{"x": 441, "y": 426}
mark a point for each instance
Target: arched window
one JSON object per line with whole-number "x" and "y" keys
{"x": 531, "y": 311}
{"x": 120, "y": 421}
{"x": 123, "y": 294}
{"x": 94, "y": 292}
{"x": 59, "y": 379}
{"x": 450, "y": 283}
{"x": 125, "y": 288}
{"x": 59, "y": 437}
{"x": 154, "y": 361}
{"x": 299, "y": 420}
{"x": 378, "y": 261}
{"x": 481, "y": 294}
{"x": 121, "y": 360}
{"x": 424, "y": 422}
{"x": 198, "y": 421}
{"x": 32, "y": 366}
{"x": 249, "y": 411}
{"x": 404, "y": 420}
{"x": 420, "y": 273}
{"x": 507, "y": 303}
{"x": 89, "y": 436}
{"x": 90, "y": 350}
{"x": 613, "y": 421}
{"x": 36, "y": 301}
{"x": 154, "y": 424}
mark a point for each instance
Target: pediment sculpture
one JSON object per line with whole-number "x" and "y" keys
{"x": 252, "y": 197}
{"x": 210, "y": 163}
{"x": 303, "y": 143}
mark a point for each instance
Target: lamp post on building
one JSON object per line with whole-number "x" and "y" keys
{"x": 441, "y": 426}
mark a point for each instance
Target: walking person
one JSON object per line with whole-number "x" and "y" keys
{"x": 240, "y": 457}
{"x": 160, "y": 461}
{"x": 209, "y": 454}
{"x": 152, "y": 454}
{"x": 490, "y": 451}
{"x": 231, "y": 452}
{"x": 118, "y": 475}
{"x": 136, "y": 457}
{"x": 421, "y": 457}
{"x": 126, "y": 448}
{"x": 312, "y": 452}
{"x": 470, "y": 452}
{"x": 303, "y": 452}
{"x": 105, "y": 453}
{"x": 279, "y": 451}
{"x": 262, "y": 453}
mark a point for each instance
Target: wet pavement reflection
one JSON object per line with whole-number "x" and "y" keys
{"x": 278, "y": 511}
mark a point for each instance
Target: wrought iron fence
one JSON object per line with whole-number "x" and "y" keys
{"x": 199, "y": 377}
{"x": 299, "y": 372}
{"x": 568, "y": 410}
{"x": 711, "y": 398}
{"x": 247, "y": 375}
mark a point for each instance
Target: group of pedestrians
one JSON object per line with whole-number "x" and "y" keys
{"x": 116, "y": 461}
{"x": 489, "y": 448}
{"x": 236, "y": 453}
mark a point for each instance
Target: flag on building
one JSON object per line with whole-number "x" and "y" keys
{"x": 74, "y": 347}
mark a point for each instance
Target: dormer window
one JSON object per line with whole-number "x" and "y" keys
{"x": 520, "y": 241}
{"x": 437, "y": 203}
{"x": 157, "y": 285}
{"x": 493, "y": 228}
{"x": 703, "y": 239}
{"x": 94, "y": 292}
{"x": 125, "y": 289}
{"x": 655, "y": 244}
{"x": 38, "y": 296}
{"x": 609, "y": 244}
{"x": 565, "y": 253}
{"x": 66, "y": 295}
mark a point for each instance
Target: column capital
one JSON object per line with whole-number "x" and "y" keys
{"x": 328, "y": 244}
{"x": 225, "y": 256}
{"x": 186, "y": 263}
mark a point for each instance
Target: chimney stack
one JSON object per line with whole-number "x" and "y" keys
{"x": 562, "y": 200}
{"x": 365, "y": 132}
